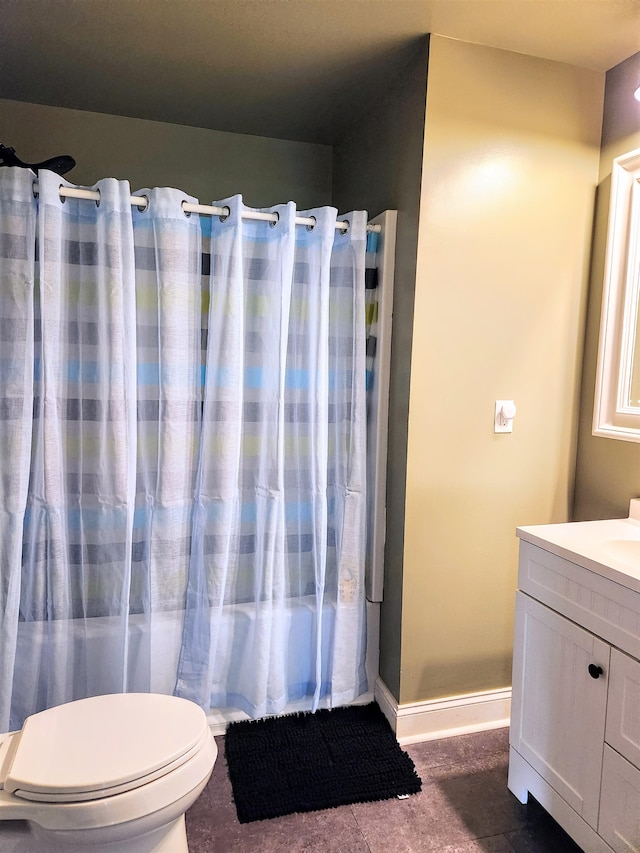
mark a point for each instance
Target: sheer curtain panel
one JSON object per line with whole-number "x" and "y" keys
{"x": 182, "y": 424}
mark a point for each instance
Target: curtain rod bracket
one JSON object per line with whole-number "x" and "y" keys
{"x": 60, "y": 165}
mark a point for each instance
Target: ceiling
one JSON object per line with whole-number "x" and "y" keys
{"x": 296, "y": 69}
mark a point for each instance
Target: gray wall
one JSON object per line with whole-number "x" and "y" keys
{"x": 207, "y": 164}
{"x": 378, "y": 167}
{"x": 608, "y": 470}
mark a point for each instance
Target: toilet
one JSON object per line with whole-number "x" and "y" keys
{"x": 114, "y": 773}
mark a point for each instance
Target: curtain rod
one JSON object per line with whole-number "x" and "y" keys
{"x": 141, "y": 201}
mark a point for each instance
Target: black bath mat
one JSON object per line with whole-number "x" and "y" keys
{"x": 305, "y": 762}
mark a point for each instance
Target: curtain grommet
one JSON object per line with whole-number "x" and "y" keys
{"x": 99, "y": 199}
{"x": 142, "y": 207}
{"x": 63, "y": 198}
{"x": 187, "y": 213}
{"x": 273, "y": 223}
{"x": 346, "y": 226}
{"x": 226, "y": 213}
{"x": 312, "y": 226}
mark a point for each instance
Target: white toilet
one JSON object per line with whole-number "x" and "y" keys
{"x": 114, "y": 773}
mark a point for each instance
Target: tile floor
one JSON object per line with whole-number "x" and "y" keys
{"x": 464, "y": 807}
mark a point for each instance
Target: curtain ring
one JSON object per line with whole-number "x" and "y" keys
{"x": 99, "y": 198}
{"x": 273, "y": 222}
{"x": 313, "y": 224}
{"x": 348, "y": 226}
{"x": 146, "y": 206}
{"x": 225, "y": 214}
{"x": 63, "y": 198}
{"x": 187, "y": 213}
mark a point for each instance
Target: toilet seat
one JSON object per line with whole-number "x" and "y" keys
{"x": 102, "y": 746}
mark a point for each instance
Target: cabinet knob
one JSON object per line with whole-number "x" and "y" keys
{"x": 595, "y": 671}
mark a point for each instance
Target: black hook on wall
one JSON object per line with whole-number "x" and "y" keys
{"x": 60, "y": 165}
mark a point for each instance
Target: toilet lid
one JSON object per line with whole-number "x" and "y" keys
{"x": 103, "y": 745}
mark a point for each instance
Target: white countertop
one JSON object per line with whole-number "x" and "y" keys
{"x": 610, "y": 547}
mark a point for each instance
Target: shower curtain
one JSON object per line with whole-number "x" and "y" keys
{"x": 182, "y": 431}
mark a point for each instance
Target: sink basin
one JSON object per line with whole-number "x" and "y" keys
{"x": 610, "y": 547}
{"x": 626, "y": 550}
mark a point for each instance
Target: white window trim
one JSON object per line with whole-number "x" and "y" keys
{"x": 612, "y": 416}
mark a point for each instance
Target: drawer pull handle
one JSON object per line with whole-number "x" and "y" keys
{"x": 595, "y": 671}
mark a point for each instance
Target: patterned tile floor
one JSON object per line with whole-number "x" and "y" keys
{"x": 464, "y": 807}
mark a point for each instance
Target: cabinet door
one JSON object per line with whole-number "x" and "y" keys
{"x": 558, "y": 707}
{"x": 623, "y": 709}
{"x": 620, "y": 809}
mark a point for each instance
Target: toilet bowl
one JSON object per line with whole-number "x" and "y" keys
{"x": 114, "y": 773}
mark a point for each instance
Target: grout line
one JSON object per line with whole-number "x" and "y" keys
{"x": 362, "y": 835}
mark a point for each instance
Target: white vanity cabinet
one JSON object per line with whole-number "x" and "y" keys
{"x": 558, "y": 710}
{"x": 575, "y": 716}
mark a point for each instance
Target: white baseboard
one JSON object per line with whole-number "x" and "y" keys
{"x": 440, "y": 718}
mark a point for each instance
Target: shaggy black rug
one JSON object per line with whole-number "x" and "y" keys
{"x": 305, "y": 762}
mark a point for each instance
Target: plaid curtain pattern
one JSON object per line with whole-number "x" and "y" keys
{"x": 182, "y": 424}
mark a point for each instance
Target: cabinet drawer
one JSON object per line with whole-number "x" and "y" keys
{"x": 619, "y": 823}
{"x": 599, "y": 604}
{"x": 623, "y": 708}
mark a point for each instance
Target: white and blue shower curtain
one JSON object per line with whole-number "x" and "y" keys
{"x": 182, "y": 440}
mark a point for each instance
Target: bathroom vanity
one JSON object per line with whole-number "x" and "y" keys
{"x": 575, "y": 716}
